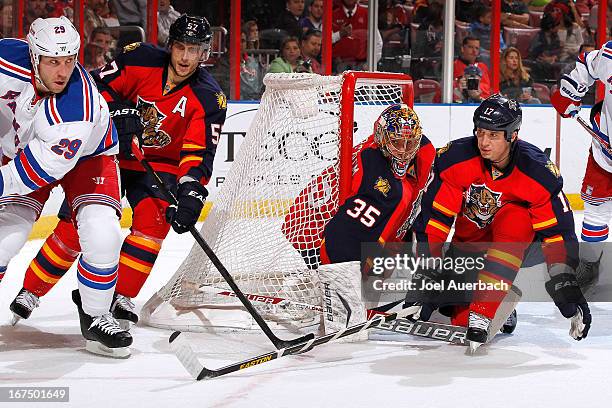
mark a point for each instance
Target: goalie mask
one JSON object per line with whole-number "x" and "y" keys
{"x": 51, "y": 37}
{"x": 398, "y": 133}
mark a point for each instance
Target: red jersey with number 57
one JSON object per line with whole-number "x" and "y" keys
{"x": 182, "y": 126}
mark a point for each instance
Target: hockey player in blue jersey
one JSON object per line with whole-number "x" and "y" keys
{"x": 55, "y": 129}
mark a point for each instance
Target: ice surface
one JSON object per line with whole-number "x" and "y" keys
{"x": 538, "y": 366}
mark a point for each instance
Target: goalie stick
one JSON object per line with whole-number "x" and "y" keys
{"x": 188, "y": 358}
{"x": 278, "y": 343}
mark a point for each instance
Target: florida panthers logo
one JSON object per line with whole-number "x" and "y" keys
{"x": 152, "y": 119}
{"x": 481, "y": 205}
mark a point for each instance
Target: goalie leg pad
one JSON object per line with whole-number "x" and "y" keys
{"x": 342, "y": 303}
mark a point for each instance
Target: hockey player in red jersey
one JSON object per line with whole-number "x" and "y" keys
{"x": 181, "y": 110}
{"x": 389, "y": 170}
{"x": 499, "y": 189}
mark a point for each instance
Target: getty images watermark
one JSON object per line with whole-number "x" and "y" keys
{"x": 405, "y": 265}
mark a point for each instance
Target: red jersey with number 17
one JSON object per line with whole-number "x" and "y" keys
{"x": 182, "y": 126}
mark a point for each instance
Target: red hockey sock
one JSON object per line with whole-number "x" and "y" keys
{"x": 50, "y": 264}
{"x": 138, "y": 254}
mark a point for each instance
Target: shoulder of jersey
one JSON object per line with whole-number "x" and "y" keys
{"x": 76, "y": 102}
{"x": 207, "y": 90}
{"x": 455, "y": 152}
{"x": 15, "y": 59}
{"x": 607, "y": 50}
{"x": 144, "y": 55}
{"x": 535, "y": 164}
{"x": 425, "y": 141}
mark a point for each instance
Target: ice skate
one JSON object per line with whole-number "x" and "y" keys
{"x": 103, "y": 334}
{"x": 510, "y": 323}
{"x": 23, "y": 305}
{"x": 122, "y": 309}
{"x": 477, "y": 332}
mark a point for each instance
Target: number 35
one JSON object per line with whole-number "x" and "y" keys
{"x": 367, "y": 217}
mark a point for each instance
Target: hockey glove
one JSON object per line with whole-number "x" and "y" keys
{"x": 428, "y": 298}
{"x": 565, "y": 292}
{"x": 127, "y": 121}
{"x": 191, "y": 197}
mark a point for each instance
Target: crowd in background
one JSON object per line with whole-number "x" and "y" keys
{"x": 540, "y": 39}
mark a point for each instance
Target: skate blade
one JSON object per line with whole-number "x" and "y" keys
{"x": 473, "y": 346}
{"x": 14, "y": 319}
{"x": 100, "y": 349}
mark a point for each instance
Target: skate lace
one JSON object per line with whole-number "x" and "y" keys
{"x": 107, "y": 324}
{"x": 477, "y": 321}
{"x": 28, "y": 299}
{"x": 125, "y": 303}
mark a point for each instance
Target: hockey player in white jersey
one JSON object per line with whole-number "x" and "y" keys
{"x": 55, "y": 129}
{"x": 597, "y": 184}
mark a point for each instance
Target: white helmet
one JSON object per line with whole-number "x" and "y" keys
{"x": 52, "y": 37}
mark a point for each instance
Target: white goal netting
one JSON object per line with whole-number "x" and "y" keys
{"x": 266, "y": 223}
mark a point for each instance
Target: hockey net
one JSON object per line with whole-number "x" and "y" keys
{"x": 299, "y": 145}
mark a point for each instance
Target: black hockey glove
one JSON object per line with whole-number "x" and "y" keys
{"x": 565, "y": 292}
{"x": 191, "y": 197}
{"x": 428, "y": 299}
{"x": 127, "y": 121}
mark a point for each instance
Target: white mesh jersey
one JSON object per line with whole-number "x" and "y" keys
{"x": 46, "y": 137}
{"x": 591, "y": 67}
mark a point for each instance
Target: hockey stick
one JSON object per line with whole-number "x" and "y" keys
{"x": 278, "y": 343}
{"x": 282, "y": 302}
{"x": 594, "y": 134}
{"x": 188, "y": 358}
{"x": 437, "y": 331}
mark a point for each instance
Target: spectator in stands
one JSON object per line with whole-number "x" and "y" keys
{"x": 466, "y": 10}
{"x": 589, "y": 98}
{"x": 481, "y": 29}
{"x": 166, "y": 15}
{"x": 34, "y": 9}
{"x": 349, "y": 37}
{"x": 58, "y": 8}
{"x": 393, "y": 23}
{"x": 102, "y": 37}
{"x": 311, "y": 48}
{"x": 6, "y": 19}
{"x": 568, "y": 8}
{"x": 314, "y": 19}
{"x": 252, "y": 31}
{"x": 471, "y": 91}
{"x": 251, "y": 73}
{"x": 420, "y": 11}
{"x": 93, "y": 19}
{"x": 515, "y": 81}
{"x": 290, "y": 59}
{"x": 427, "y": 49}
{"x": 290, "y": 17}
{"x": 514, "y": 13}
{"x": 94, "y": 57}
{"x": 536, "y": 5}
{"x": 546, "y": 48}
{"x": 594, "y": 16}
{"x": 108, "y": 14}
{"x": 131, "y": 12}
{"x": 570, "y": 32}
